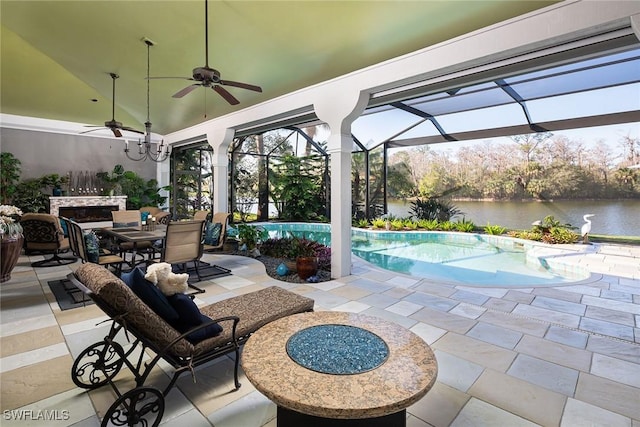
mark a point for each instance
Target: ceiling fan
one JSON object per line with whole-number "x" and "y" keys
{"x": 209, "y": 77}
{"x": 112, "y": 124}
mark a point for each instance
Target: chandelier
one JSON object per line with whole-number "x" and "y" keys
{"x": 145, "y": 150}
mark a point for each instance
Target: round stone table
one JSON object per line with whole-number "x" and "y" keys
{"x": 306, "y": 397}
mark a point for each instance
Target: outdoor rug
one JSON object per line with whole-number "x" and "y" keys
{"x": 67, "y": 295}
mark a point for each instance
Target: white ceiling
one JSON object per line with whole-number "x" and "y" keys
{"x": 57, "y": 55}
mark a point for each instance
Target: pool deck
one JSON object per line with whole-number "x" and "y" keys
{"x": 553, "y": 356}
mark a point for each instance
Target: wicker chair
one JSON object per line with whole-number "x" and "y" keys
{"x": 43, "y": 234}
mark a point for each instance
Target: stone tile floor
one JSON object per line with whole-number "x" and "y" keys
{"x": 551, "y": 356}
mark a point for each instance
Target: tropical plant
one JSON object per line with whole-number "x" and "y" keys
{"x": 362, "y": 223}
{"x": 428, "y": 224}
{"x": 139, "y": 192}
{"x": 29, "y": 196}
{"x": 251, "y": 235}
{"x": 434, "y": 208}
{"x": 560, "y": 235}
{"x": 397, "y": 224}
{"x": 379, "y": 223}
{"x": 410, "y": 224}
{"x": 447, "y": 225}
{"x": 10, "y": 221}
{"x": 292, "y": 247}
{"x": 494, "y": 229}
{"x": 10, "y": 169}
{"x": 465, "y": 226}
{"x": 297, "y": 190}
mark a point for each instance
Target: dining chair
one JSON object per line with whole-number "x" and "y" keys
{"x": 91, "y": 253}
{"x": 132, "y": 218}
{"x": 210, "y": 244}
{"x": 201, "y": 215}
{"x": 183, "y": 244}
{"x": 43, "y": 234}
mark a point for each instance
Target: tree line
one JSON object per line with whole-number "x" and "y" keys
{"x": 539, "y": 166}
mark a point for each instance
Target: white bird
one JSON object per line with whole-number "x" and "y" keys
{"x": 586, "y": 228}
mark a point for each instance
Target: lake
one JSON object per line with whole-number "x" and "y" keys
{"x": 613, "y": 217}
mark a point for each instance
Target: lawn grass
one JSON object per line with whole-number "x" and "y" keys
{"x": 603, "y": 238}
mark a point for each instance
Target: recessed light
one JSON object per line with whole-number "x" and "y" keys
{"x": 94, "y": 100}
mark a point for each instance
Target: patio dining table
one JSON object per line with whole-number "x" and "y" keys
{"x": 135, "y": 235}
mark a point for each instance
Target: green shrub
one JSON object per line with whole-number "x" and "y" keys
{"x": 409, "y": 224}
{"x": 428, "y": 224}
{"x": 560, "y": 235}
{"x": 397, "y": 224}
{"x": 446, "y": 226}
{"x": 465, "y": 226}
{"x": 379, "y": 223}
{"x": 494, "y": 229}
{"x": 362, "y": 223}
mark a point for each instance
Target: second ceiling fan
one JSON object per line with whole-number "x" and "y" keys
{"x": 210, "y": 77}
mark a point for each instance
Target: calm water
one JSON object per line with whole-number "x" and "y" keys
{"x": 620, "y": 218}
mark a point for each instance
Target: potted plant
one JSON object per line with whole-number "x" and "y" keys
{"x": 10, "y": 239}
{"x": 56, "y": 182}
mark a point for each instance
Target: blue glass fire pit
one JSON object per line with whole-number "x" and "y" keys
{"x": 337, "y": 349}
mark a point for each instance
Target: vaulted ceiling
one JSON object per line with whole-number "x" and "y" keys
{"x": 57, "y": 55}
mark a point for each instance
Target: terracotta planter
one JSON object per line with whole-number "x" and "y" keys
{"x": 9, "y": 253}
{"x": 307, "y": 266}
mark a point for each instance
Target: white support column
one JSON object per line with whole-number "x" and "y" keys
{"x": 339, "y": 109}
{"x": 220, "y": 139}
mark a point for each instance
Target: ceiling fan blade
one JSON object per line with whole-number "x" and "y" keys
{"x": 93, "y": 130}
{"x": 186, "y": 90}
{"x": 179, "y": 78}
{"x": 241, "y": 85}
{"x": 226, "y": 95}
{"x": 116, "y": 132}
{"x": 131, "y": 130}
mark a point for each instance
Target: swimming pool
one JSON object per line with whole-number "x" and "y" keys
{"x": 460, "y": 258}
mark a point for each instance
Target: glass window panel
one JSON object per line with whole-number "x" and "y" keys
{"x": 423, "y": 129}
{"x": 635, "y": 53}
{"x": 375, "y": 128}
{"x": 487, "y": 118}
{"x": 621, "y": 73}
{"x": 597, "y": 102}
{"x": 466, "y": 101}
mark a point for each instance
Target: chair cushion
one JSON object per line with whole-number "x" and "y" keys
{"x": 150, "y": 294}
{"x": 212, "y": 233}
{"x": 93, "y": 246}
{"x": 190, "y": 317}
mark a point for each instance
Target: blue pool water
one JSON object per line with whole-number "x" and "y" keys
{"x": 470, "y": 259}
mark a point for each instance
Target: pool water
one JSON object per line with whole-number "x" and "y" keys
{"x": 462, "y": 258}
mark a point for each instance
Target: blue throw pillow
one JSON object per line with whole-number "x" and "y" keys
{"x": 65, "y": 228}
{"x": 93, "y": 247}
{"x": 213, "y": 330}
{"x": 150, "y": 294}
{"x": 188, "y": 311}
{"x": 212, "y": 233}
{"x": 190, "y": 317}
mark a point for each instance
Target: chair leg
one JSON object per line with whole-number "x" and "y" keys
{"x": 54, "y": 261}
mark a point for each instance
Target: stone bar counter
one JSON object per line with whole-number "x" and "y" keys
{"x": 378, "y": 395}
